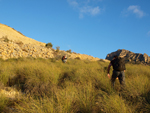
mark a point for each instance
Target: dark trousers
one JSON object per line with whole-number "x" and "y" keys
{"x": 121, "y": 77}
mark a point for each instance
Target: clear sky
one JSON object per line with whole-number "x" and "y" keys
{"x": 92, "y": 27}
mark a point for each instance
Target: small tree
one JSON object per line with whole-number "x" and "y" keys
{"x": 57, "y": 49}
{"x": 69, "y": 51}
{"x": 49, "y": 45}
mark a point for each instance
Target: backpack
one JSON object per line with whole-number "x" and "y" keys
{"x": 118, "y": 64}
{"x": 63, "y": 57}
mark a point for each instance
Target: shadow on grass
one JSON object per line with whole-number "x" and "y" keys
{"x": 33, "y": 83}
{"x": 66, "y": 76}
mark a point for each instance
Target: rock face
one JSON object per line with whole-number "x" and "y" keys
{"x": 14, "y": 44}
{"x": 14, "y": 50}
{"x": 130, "y": 56}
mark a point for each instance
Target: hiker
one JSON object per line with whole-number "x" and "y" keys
{"x": 118, "y": 64}
{"x": 64, "y": 59}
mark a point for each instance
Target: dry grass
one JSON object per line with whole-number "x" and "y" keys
{"x": 78, "y": 86}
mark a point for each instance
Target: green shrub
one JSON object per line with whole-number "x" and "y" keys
{"x": 49, "y": 45}
{"x": 69, "y": 51}
{"x": 5, "y": 39}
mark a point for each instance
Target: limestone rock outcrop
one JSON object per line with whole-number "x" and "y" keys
{"x": 13, "y": 44}
{"x": 130, "y": 56}
{"x": 13, "y": 50}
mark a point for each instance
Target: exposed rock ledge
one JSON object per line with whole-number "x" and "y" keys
{"x": 16, "y": 50}
{"x": 130, "y": 56}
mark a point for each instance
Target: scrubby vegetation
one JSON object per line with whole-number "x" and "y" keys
{"x": 5, "y": 39}
{"x": 57, "y": 49}
{"x": 69, "y": 51}
{"x": 78, "y": 86}
{"x": 49, "y": 45}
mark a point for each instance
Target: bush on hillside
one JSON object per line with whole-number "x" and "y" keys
{"x": 5, "y": 39}
{"x": 57, "y": 49}
{"x": 20, "y": 43}
{"x": 69, "y": 51}
{"x": 78, "y": 58}
{"x": 49, "y": 45}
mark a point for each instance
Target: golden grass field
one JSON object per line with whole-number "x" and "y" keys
{"x": 78, "y": 86}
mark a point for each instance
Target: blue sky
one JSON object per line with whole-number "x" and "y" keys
{"x": 92, "y": 27}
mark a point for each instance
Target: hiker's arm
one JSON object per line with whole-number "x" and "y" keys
{"x": 124, "y": 68}
{"x": 108, "y": 69}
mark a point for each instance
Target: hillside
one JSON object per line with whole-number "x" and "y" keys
{"x": 16, "y": 36}
{"x": 33, "y": 79}
{"x": 14, "y": 44}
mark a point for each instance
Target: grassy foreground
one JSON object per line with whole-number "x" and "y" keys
{"x": 50, "y": 86}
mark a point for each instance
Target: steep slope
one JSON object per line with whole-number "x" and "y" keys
{"x": 14, "y": 44}
{"x": 15, "y": 36}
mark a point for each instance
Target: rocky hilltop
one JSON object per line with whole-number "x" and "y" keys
{"x": 130, "y": 56}
{"x": 13, "y": 44}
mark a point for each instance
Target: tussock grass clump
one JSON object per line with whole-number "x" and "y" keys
{"x": 3, "y": 102}
{"x": 50, "y": 86}
{"x": 115, "y": 104}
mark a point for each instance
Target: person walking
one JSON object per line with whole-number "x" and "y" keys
{"x": 119, "y": 68}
